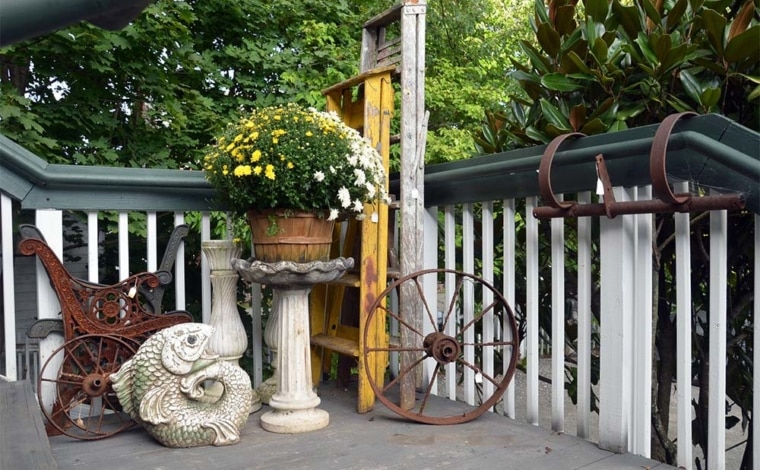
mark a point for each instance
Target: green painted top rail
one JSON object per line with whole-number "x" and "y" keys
{"x": 40, "y": 185}
{"x": 710, "y": 150}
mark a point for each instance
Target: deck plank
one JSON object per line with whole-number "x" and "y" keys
{"x": 376, "y": 440}
{"x": 23, "y": 443}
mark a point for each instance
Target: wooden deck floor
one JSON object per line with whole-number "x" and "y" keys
{"x": 377, "y": 440}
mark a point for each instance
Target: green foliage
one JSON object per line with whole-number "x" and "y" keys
{"x": 623, "y": 66}
{"x": 469, "y": 45}
{"x": 155, "y": 93}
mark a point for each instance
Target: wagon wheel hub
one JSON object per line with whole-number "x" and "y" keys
{"x": 443, "y": 348}
{"x": 95, "y": 385}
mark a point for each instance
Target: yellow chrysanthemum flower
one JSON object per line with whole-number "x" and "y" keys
{"x": 242, "y": 170}
{"x": 269, "y": 172}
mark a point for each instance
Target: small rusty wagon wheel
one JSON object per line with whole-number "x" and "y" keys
{"x": 85, "y": 405}
{"x": 462, "y": 346}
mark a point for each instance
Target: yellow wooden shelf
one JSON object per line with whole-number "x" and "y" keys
{"x": 335, "y": 343}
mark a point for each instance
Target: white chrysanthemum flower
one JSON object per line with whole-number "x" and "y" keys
{"x": 358, "y": 205}
{"x": 370, "y": 189}
{"x": 319, "y": 176}
{"x": 361, "y": 178}
{"x": 344, "y": 197}
{"x": 333, "y": 170}
{"x": 333, "y": 214}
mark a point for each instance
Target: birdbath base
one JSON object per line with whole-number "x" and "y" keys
{"x": 294, "y": 421}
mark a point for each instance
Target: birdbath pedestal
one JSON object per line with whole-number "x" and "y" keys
{"x": 295, "y": 403}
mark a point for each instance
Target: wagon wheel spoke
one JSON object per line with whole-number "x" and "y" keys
{"x": 458, "y": 355}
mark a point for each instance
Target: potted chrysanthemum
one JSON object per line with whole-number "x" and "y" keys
{"x": 294, "y": 171}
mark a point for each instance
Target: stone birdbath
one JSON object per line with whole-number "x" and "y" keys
{"x": 295, "y": 402}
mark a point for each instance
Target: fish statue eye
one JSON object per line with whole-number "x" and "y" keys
{"x": 191, "y": 339}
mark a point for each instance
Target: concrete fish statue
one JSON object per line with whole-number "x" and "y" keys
{"x": 161, "y": 387}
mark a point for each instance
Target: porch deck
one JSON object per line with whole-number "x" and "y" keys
{"x": 376, "y": 440}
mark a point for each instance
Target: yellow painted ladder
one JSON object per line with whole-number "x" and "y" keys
{"x": 393, "y": 48}
{"x": 339, "y": 310}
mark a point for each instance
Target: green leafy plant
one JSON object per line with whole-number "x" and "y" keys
{"x": 297, "y": 158}
{"x": 606, "y": 65}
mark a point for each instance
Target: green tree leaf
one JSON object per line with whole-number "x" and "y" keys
{"x": 715, "y": 24}
{"x": 692, "y": 86}
{"x": 553, "y": 115}
{"x": 744, "y": 45}
{"x": 559, "y": 82}
{"x": 597, "y": 10}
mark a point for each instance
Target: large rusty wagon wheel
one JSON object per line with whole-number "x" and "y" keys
{"x": 85, "y": 405}
{"x": 464, "y": 334}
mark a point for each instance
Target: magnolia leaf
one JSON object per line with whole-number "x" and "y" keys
{"x": 675, "y": 14}
{"x": 742, "y": 20}
{"x": 718, "y": 5}
{"x": 710, "y": 65}
{"x": 625, "y": 114}
{"x": 674, "y": 57}
{"x": 715, "y": 24}
{"x": 540, "y": 8}
{"x": 577, "y": 116}
{"x": 517, "y": 112}
{"x": 617, "y": 126}
{"x": 755, "y": 94}
{"x": 691, "y": 85}
{"x": 599, "y": 50}
{"x": 538, "y": 61}
{"x": 524, "y": 76}
{"x": 606, "y": 106}
{"x": 627, "y": 17}
{"x": 651, "y": 11}
{"x": 554, "y": 115}
{"x": 565, "y": 20}
{"x": 746, "y": 44}
{"x": 643, "y": 41}
{"x": 559, "y": 82}
{"x": 536, "y": 135}
{"x": 595, "y": 126}
{"x": 597, "y": 10}
{"x": 554, "y": 131}
{"x": 549, "y": 39}
{"x": 662, "y": 47}
{"x": 578, "y": 62}
{"x": 710, "y": 97}
{"x": 678, "y": 104}
{"x": 751, "y": 78}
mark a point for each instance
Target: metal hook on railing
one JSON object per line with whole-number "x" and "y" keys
{"x": 667, "y": 202}
{"x": 545, "y": 173}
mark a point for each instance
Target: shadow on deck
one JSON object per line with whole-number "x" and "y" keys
{"x": 376, "y": 440}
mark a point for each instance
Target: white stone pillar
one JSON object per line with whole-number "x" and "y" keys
{"x": 295, "y": 403}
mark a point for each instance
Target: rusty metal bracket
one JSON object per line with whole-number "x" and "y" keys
{"x": 666, "y": 202}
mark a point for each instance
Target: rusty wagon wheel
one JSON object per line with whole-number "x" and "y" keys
{"x": 464, "y": 334}
{"x": 85, "y": 405}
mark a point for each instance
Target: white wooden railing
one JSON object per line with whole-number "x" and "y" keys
{"x": 625, "y": 276}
